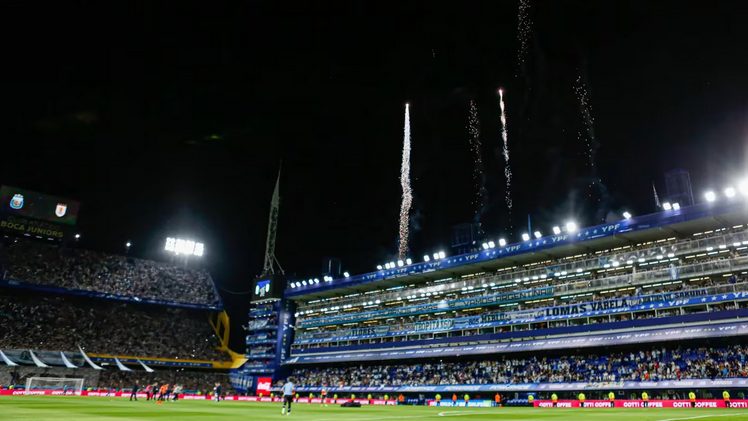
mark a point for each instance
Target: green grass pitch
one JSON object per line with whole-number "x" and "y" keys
{"x": 39, "y": 408}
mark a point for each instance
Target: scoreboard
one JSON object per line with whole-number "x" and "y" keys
{"x": 267, "y": 288}
{"x": 31, "y": 213}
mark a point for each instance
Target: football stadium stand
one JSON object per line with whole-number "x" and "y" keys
{"x": 656, "y": 302}
{"x": 111, "y": 320}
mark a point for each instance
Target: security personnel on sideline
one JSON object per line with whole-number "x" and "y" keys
{"x": 692, "y": 398}
{"x": 353, "y": 397}
{"x": 438, "y": 399}
{"x": 467, "y": 399}
{"x": 612, "y": 399}
{"x": 581, "y": 398}
{"x": 454, "y": 399}
{"x": 370, "y": 398}
{"x": 497, "y": 400}
{"x": 531, "y": 399}
{"x": 645, "y": 398}
{"x": 726, "y": 398}
{"x": 335, "y": 398}
{"x": 554, "y": 399}
{"x": 386, "y": 398}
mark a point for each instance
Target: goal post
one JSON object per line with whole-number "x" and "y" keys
{"x": 68, "y": 385}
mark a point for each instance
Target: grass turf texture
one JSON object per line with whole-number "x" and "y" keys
{"x": 40, "y": 408}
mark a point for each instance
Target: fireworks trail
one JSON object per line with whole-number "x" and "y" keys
{"x": 473, "y": 128}
{"x": 587, "y": 134}
{"x": 524, "y": 29}
{"x": 505, "y": 151}
{"x": 407, "y": 191}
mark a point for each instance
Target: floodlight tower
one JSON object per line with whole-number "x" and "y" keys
{"x": 268, "y": 268}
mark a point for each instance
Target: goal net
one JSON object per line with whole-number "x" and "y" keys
{"x": 67, "y": 385}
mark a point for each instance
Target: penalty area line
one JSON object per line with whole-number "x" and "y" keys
{"x": 458, "y": 413}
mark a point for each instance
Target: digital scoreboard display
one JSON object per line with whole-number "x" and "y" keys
{"x": 266, "y": 288}
{"x": 30, "y": 204}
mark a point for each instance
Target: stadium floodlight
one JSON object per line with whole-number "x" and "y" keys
{"x": 293, "y": 285}
{"x": 571, "y": 227}
{"x": 316, "y": 280}
{"x": 667, "y": 206}
{"x": 379, "y": 267}
{"x": 436, "y": 256}
{"x": 537, "y": 234}
{"x": 303, "y": 282}
{"x": 426, "y": 258}
{"x": 743, "y": 187}
{"x": 128, "y": 244}
{"x": 485, "y": 246}
{"x": 502, "y": 242}
{"x": 442, "y": 254}
{"x": 185, "y": 247}
{"x": 676, "y": 206}
{"x": 77, "y": 236}
{"x": 730, "y": 192}
{"x": 525, "y": 236}
{"x": 392, "y": 265}
{"x": 400, "y": 263}
{"x": 491, "y": 244}
{"x": 557, "y": 230}
{"x": 408, "y": 261}
{"x": 626, "y": 215}
{"x": 387, "y": 265}
{"x": 710, "y": 196}
{"x": 346, "y": 274}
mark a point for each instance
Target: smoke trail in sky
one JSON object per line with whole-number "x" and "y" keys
{"x": 507, "y": 167}
{"x": 479, "y": 187}
{"x": 524, "y": 29}
{"x": 407, "y": 191}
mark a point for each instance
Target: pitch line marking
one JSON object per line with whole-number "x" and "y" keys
{"x": 704, "y": 416}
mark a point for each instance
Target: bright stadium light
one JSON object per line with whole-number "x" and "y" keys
{"x": 392, "y": 265}
{"x": 502, "y": 242}
{"x": 571, "y": 227}
{"x": 557, "y": 230}
{"x": 667, "y": 206}
{"x": 426, "y": 258}
{"x": 525, "y": 236}
{"x": 436, "y": 256}
{"x": 676, "y": 206}
{"x": 379, "y": 267}
{"x": 442, "y": 254}
{"x": 730, "y": 192}
{"x": 743, "y": 187}
{"x": 485, "y": 246}
{"x": 710, "y": 196}
{"x": 626, "y": 215}
{"x": 491, "y": 244}
{"x": 346, "y": 274}
{"x": 408, "y": 261}
{"x": 400, "y": 263}
{"x": 537, "y": 234}
{"x": 185, "y": 247}
{"x": 303, "y": 282}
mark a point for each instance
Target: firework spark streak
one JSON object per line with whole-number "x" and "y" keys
{"x": 407, "y": 191}
{"x": 524, "y": 29}
{"x": 587, "y": 135}
{"x": 473, "y": 128}
{"x": 505, "y": 151}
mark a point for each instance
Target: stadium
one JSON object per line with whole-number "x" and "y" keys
{"x": 502, "y": 210}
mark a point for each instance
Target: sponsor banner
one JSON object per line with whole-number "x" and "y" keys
{"x": 652, "y": 403}
{"x": 20, "y": 225}
{"x": 264, "y": 384}
{"x": 472, "y": 403}
{"x": 596, "y": 340}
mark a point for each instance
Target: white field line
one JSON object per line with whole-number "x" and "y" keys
{"x": 705, "y": 416}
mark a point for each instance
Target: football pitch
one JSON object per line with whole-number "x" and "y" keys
{"x": 40, "y": 408}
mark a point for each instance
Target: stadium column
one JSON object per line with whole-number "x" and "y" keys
{"x": 284, "y": 335}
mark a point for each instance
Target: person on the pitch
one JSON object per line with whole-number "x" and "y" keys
{"x": 438, "y": 399}
{"x": 323, "y": 394}
{"x": 645, "y": 399}
{"x": 581, "y": 398}
{"x": 612, "y": 399}
{"x": 692, "y": 398}
{"x": 467, "y": 399}
{"x": 726, "y": 398}
{"x": 530, "y": 400}
{"x": 554, "y": 399}
{"x": 148, "y": 392}
{"x": 454, "y": 399}
{"x": 370, "y": 399}
{"x": 134, "y": 392}
{"x": 288, "y": 392}
{"x": 497, "y": 400}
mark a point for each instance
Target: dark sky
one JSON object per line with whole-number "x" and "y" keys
{"x": 114, "y": 104}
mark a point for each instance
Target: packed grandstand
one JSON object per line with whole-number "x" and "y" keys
{"x": 112, "y": 320}
{"x": 656, "y": 302}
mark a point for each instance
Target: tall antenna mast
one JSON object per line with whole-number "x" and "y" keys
{"x": 268, "y": 267}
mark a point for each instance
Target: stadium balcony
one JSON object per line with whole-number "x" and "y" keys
{"x": 28, "y": 264}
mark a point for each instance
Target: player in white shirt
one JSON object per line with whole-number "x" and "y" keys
{"x": 288, "y": 392}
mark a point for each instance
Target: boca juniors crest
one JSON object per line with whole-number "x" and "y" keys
{"x": 16, "y": 202}
{"x": 61, "y": 209}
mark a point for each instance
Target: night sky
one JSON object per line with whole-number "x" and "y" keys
{"x": 172, "y": 119}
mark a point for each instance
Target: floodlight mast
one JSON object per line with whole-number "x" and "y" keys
{"x": 271, "y": 261}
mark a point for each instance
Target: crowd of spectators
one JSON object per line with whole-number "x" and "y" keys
{"x": 191, "y": 381}
{"x": 63, "y": 323}
{"x": 651, "y": 365}
{"x": 71, "y": 268}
